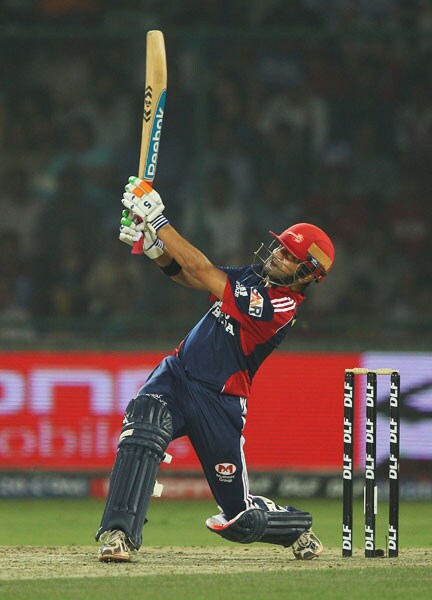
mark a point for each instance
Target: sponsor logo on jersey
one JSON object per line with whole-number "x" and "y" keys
{"x": 222, "y": 318}
{"x": 256, "y": 303}
{"x": 240, "y": 290}
{"x": 225, "y": 472}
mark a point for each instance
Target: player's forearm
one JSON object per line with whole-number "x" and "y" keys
{"x": 193, "y": 261}
{"x": 190, "y": 258}
{"x": 146, "y": 204}
{"x": 183, "y": 277}
{"x": 164, "y": 259}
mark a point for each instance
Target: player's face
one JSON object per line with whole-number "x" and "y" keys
{"x": 283, "y": 266}
{"x": 282, "y": 263}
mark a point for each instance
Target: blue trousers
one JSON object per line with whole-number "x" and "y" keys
{"x": 214, "y": 423}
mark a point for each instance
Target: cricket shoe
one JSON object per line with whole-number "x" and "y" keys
{"x": 308, "y": 546}
{"x": 115, "y": 547}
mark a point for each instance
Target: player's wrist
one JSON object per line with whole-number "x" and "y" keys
{"x": 159, "y": 222}
{"x": 172, "y": 268}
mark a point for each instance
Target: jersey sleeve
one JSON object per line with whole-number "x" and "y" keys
{"x": 232, "y": 272}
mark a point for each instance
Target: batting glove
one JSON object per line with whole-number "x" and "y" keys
{"x": 131, "y": 231}
{"x": 144, "y": 202}
{"x": 153, "y": 247}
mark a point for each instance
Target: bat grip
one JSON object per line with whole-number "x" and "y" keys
{"x": 137, "y": 247}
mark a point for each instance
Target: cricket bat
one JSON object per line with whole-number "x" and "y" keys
{"x": 154, "y": 107}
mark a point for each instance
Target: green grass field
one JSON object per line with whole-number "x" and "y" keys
{"x": 72, "y": 523}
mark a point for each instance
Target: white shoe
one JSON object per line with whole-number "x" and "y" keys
{"x": 115, "y": 547}
{"x": 307, "y": 547}
{"x": 216, "y": 522}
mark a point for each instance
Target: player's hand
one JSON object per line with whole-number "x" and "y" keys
{"x": 131, "y": 231}
{"x": 142, "y": 200}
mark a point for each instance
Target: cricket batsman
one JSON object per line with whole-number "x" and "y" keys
{"x": 201, "y": 389}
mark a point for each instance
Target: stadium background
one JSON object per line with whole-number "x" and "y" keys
{"x": 276, "y": 112}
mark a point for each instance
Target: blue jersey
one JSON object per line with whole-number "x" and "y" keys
{"x": 226, "y": 347}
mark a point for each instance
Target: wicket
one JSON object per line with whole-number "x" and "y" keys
{"x": 370, "y": 488}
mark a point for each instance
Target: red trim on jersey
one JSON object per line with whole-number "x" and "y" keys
{"x": 176, "y": 351}
{"x": 239, "y": 384}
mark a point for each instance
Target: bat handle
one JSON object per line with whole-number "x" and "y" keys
{"x": 137, "y": 247}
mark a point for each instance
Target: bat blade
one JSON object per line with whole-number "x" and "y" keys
{"x": 153, "y": 111}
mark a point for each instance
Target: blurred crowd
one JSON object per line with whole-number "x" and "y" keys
{"x": 277, "y": 112}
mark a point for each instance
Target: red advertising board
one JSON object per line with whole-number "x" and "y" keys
{"x": 63, "y": 411}
{"x": 295, "y": 417}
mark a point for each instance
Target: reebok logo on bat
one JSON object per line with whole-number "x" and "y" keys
{"x": 153, "y": 148}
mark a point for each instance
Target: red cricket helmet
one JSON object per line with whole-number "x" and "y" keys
{"x": 310, "y": 245}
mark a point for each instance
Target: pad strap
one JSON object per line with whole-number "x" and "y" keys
{"x": 284, "y": 528}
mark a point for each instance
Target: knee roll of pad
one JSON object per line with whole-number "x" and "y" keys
{"x": 146, "y": 433}
{"x": 147, "y": 423}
